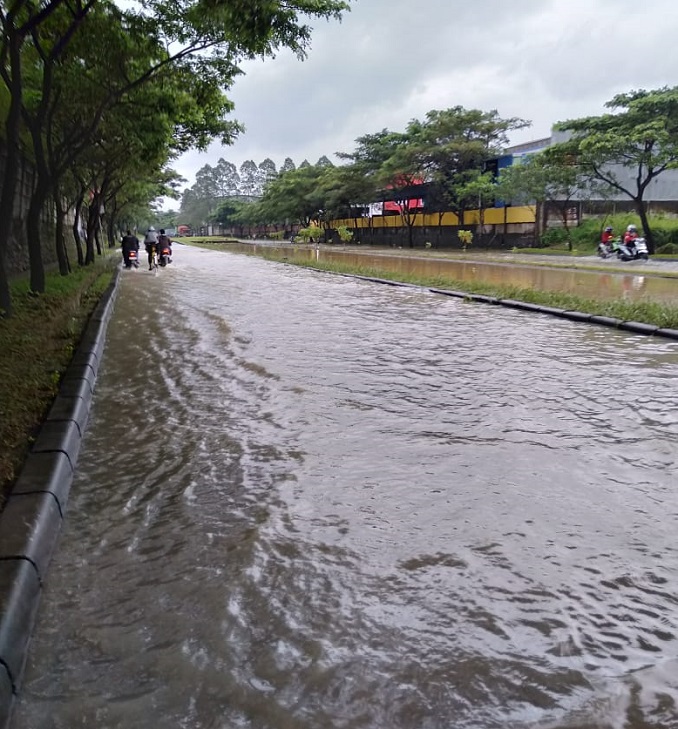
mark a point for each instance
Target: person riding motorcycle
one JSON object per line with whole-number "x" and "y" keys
{"x": 164, "y": 241}
{"x": 151, "y": 243}
{"x": 630, "y": 235}
{"x": 129, "y": 243}
{"x": 607, "y": 237}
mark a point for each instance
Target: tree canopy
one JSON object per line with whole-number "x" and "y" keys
{"x": 639, "y": 136}
{"x": 79, "y": 79}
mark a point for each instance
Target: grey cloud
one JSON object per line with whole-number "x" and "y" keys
{"x": 392, "y": 60}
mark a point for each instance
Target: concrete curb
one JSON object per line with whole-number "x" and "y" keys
{"x": 31, "y": 520}
{"x": 635, "y": 327}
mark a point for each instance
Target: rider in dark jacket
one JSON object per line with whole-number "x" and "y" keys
{"x": 129, "y": 243}
{"x": 164, "y": 241}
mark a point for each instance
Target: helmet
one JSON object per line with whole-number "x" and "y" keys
{"x": 151, "y": 229}
{"x": 608, "y": 229}
{"x": 631, "y": 229}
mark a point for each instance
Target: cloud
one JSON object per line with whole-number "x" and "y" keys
{"x": 390, "y": 61}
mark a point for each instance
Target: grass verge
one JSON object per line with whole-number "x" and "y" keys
{"x": 649, "y": 312}
{"x": 36, "y": 346}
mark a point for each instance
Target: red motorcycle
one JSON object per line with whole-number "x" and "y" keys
{"x": 165, "y": 256}
{"x": 132, "y": 260}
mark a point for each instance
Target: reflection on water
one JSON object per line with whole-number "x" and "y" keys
{"x": 588, "y": 284}
{"x": 310, "y": 501}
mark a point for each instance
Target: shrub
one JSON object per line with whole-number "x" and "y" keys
{"x": 345, "y": 235}
{"x": 668, "y": 249}
{"x": 466, "y": 237}
{"x": 553, "y": 237}
{"x": 662, "y": 237}
{"x": 310, "y": 234}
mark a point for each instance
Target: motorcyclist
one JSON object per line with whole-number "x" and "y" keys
{"x": 607, "y": 236}
{"x": 151, "y": 243}
{"x": 129, "y": 243}
{"x": 630, "y": 235}
{"x": 164, "y": 240}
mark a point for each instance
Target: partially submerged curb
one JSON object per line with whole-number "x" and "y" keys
{"x": 636, "y": 327}
{"x": 31, "y": 520}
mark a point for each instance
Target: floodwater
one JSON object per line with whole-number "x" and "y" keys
{"x": 644, "y": 280}
{"x": 306, "y": 501}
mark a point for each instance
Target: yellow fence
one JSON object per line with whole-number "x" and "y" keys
{"x": 492, "y": 216}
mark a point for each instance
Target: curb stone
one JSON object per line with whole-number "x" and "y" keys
{"x": 634, "y": 327}
{"x": 31, "y": 520}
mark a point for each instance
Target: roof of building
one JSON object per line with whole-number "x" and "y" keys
{"x": 525, "y": 147}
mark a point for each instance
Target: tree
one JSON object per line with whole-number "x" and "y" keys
{"x": 227, "y": 179}
{"x": 550, "y": 175}
{"x": 21, "y": 21}
{"x": 295, "y": 197}
{"x": 347, "y": 191}
{"x": 288, "y": 165}
{"x": 453, "y": 145}
{"x": 228, "y": 212}
{"x": 266, "y": 172}
{"x": 391, "y": 161}
{"x": 207, "y": 40}
{"x": 249, "y": 174}
{"x": 640, "y": 138}
{"x": 478, "y": 193}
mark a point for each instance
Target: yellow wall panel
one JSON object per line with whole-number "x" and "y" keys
{"x": 493, "y": 216}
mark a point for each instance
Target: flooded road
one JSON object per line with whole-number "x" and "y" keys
{"x": 306, "y": 501}
{"x": 654, "y": 280}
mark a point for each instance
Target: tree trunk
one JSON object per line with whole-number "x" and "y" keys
{"x": 77, "y": 222}
{"x": 645, "y": 224}
{"x": 35, "y": 209}
{"x": 568, "y": 235}
{"x": 12, "y": 162}
{"x": 111, "y": 232}
{"x": 97, "y": 236}
{"x": 5, "y": 296}
{"x": 92, "y": 217}
{"x": 60, "y": 242}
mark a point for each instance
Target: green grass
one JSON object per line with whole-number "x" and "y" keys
{"x": 650, "y": 312}
{"x": 36, "y": 345}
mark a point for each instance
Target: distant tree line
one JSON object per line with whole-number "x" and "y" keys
{"x": 225, "y": 181}
{"x": 449, "y": 154}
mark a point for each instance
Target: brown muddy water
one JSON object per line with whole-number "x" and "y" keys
{"x": 644, "y": 280}
{"x": 308, "y": 501}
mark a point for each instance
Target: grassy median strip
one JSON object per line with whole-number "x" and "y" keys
{"x": 36, "y": 346}
{"x": 648, "y": 312}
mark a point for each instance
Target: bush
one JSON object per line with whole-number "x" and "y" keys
{"x": 668, "y": 249}
{"x": 465, "y": 238}
{"x": 662, "y": 237}
{"x": 345, "y": 235}
{"x": 312, "y": 233}
{"x": 553, "y": 237}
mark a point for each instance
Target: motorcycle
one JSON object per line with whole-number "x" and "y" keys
{"x": 635, "y": 252}
{"x": 605, "y": 250}
{"x": 132, "y": 260}
{"x": 164, "y": 256}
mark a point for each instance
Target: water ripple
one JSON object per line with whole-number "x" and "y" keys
{"x": 310, "y": 501}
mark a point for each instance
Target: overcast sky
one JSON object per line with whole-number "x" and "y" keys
{"x": 390, "y": 61}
